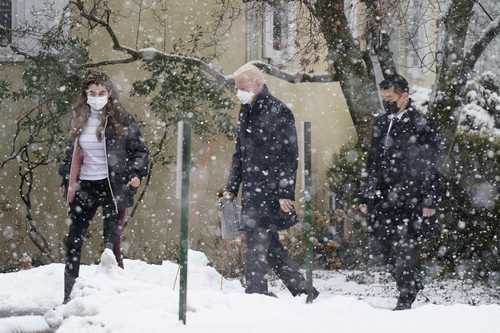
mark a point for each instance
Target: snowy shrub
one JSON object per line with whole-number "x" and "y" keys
{"x": 481, "y": 109}
{"x": 4, "y": 89}
{"x": 344, "y": 180}
{"x": 225, "y": 256}
{"x": 470, "y": 210}
{"x": 470, "y": 207}
{"x": 420, "y": 97}
{"x": 326, "y": 242}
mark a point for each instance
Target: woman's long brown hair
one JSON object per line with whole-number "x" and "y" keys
{"x": 81, "y": 111}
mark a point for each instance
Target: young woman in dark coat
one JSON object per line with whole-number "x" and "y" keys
{"x": 105, "y": 160}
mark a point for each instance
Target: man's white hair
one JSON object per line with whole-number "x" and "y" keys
{"x": 249, "y": 72}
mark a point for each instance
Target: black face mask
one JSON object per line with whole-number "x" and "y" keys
{"x": 390, "y": 106}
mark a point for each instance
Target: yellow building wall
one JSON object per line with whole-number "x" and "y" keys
{"x": 153, "y": 233}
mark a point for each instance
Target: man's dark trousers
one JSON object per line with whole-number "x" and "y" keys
{"x": 264, "y": 251}
{"x": 394, "y": 242}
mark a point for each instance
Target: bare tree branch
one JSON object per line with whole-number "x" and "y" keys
{"x": 378, "y": 39}
{"x": 450, "y": 80}
{"x": 149, "y": 176}
{"x": 298, "y": 77}
{"x": 478, "y": 48}
{"x": 149, "y": 54}
{"x": 19, "y": 51}
{"x": 111, "y": 62}
{"x": 19, "y": 123}
{"x": 146, "y": 54}
{"x": 134, "y": 54}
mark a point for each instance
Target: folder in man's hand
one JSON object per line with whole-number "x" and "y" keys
{"x": 229, "y": 216}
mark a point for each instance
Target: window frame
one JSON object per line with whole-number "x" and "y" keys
{"x": 9, "y": 25}
{"x": 21, "y": 12}
{"x": 6, "y": 53}
{"x": 287, "y": 48}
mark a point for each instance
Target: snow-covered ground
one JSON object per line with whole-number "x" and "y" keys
{"x": 142, "y": 299}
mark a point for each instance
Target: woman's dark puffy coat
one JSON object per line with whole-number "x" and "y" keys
{"x": 127, "y": 157}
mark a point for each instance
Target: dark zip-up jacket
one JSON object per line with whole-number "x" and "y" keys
{"x": 403, "y": 166}
{"x": 265, "y": 159}
{"x": 127, "y": 157}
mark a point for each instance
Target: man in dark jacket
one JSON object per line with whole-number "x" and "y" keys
{"x": 265, "y": 163}
{"x": 400, "y": 190}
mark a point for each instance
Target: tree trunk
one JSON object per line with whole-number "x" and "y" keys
{"x": 377, "y": 38}
{"x": 446, "y": 96}
{"x": 354, "y": 74}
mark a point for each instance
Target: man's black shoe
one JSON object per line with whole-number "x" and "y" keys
{"x": 271, "y": 294}
{"x": 313, "y": 296}
{"x": 402, "y": 305}
{"x": 405, "y": 302}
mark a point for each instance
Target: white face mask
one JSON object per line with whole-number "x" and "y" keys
{"x": 245, "y": 97}
{"x": 98, "y": 102}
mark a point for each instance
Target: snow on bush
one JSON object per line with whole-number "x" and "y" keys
{"x": 481, "y": 109}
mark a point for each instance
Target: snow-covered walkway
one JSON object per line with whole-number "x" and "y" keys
{"x": 141, "y": 299}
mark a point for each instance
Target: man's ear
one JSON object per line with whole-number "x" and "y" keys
{"x": 404, "y": 96}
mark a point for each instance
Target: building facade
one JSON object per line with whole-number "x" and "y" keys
{"x": 256, "y": 33}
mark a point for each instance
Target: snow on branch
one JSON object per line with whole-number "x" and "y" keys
{"x": 298, "y": 77}
{"x": 146, "y": 54}
{"x": 149, "y": 54}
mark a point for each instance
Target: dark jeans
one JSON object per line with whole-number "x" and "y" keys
{"x": 90, "y": 196}
{"x": 118, "y": 241}
{"x": 264, "y": 251}
{"x": 393, "y": 243}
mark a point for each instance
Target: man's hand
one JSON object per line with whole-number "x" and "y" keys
{"x": 228, "y": 195}
{"x": 239, "y": 240}
{"x": 332, "y": 244}
{"x": 286, "y": 205}
{"x": 363, "y": 208}
{"x": 428, "y": 212}
{"x": 134, "y": 182}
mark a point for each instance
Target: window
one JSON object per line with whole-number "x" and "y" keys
{"x": 252, "y": 28}
{"x": 18, "y": 15}
{"x": 356, "y": 16}
{"x": 280, "y": 31}
{"x": 420, "y": 39}
{"x": 415, "y": 35}
{"x": 5, "y": 22}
